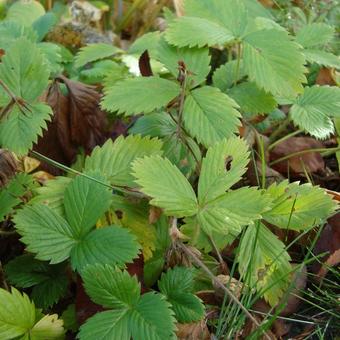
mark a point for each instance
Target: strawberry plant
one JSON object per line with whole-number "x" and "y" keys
{"x": 137, "y": 227}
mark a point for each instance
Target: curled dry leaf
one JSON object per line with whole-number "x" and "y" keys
{"x": 8, "y": 166}
{"x": 234, "y": 285}
{"x": 326, "y": 76}
{"x": 30, "y": 164}
{"x": 193, "y": 331}
{"x": 311, "y": 162}
{"x": 77, "y": 123}
{"x": 329, "y": 241}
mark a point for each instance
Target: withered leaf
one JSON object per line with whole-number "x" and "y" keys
{"x": 8, "y": 166}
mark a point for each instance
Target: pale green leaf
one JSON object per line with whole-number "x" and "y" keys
{"x": 177, "y": 285}
{"x": 25, "y": 12}
{"x": 48, "y": 328}
{"x": 314, "y": 108}
{"x": 222, "y": 167}
{"x": 93, "y": 52}
{"x": 274, "y": 62}
{"x": 113, "y": 160}
{"x": 167, "y": 186}
{"x": 24, "y": 71}
{"x": 210, "y": 115}
{"x": 193, "y": 31}
{"x": 111, "y": 245}
{"x": 45, "y": 233}
{"x": 17, "y": 314}
{"x": 314, "y": 35}
{"x": 322, "y": 58}
{"x": 228, "y": 75}
{"x": 265, "y": 262}
{"x": 137, "y": 95}
{"x": 82, "y": 204}
{"x": 252, "y": 99}
{"x": 196, "y": 60}
{"x": 298, "y": 207}
{"x": 111, "y": 287}
{"x": 20, "y": 130}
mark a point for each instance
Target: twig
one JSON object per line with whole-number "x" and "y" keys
{"x": 223, "y": 265}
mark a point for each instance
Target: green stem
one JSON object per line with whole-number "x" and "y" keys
{"x": 237, "y": 72}
{"x": 272, "y": 146}
{"x": 323, "y": 151}
{"x": 279, "y": 130}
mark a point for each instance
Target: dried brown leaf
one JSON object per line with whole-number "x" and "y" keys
{"x": 193, "y": 331}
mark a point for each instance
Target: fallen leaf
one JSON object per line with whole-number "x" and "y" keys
{"x": 329, "y": 241}
{"x": 326, "y": 76}
{"x": 8, "y": 166}
{"x": 193, "y": 331}
{"x": 30, "y": 164}
{"x": 154, "y": 214}
{"x": 42, "y": 176}
{"x": 311, "y": 161}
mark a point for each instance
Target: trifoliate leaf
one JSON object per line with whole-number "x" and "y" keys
{"x": 24, "y": 71}
{"x": 274, "y": 62}
{"x": 20, "y": 130}
{"x": 113, "y": 160}
{"x": 49, "y": 282}
{"x": 141, "y": 317}
{"x": 177, "y": 285}
{"x": 25, "y": 12}
{"x": 11, "y": 194}
{"x": 252, "y": 99}
{"x": 192, "y": 32}
{"x": 110, "y": 287}
{"x": 298, "y": 207}
{"x": 210, "y": 115}
{"x": 314, "y": 108}
{"x": 111, "y": 245}
{"x": 82, "y": 206}
{"x": 137, "y": 95}
{"x": 171, "y": 192}
{"x": 93, "y": 52}
{"x": 228, "y": 75}
{"x": 322, "y": 58}
{"x": 17, "y": 314}
{"x": 314, "y": 34}
{"x": 196, "y": 60}
{"x": 45, "y": 233}
{"x": 222, "y": 167}
{"x": 264, "y": 260}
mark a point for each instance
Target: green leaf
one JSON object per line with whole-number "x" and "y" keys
{"x": 192, "y": 31}
{"x": 322, "y": 58}
{"x": 140, "y": 317}
{"x": 20, "y": 130}
{"x": 45, "y": 233}
{"x": 24, "y": 71}
{"x": 274, "y": 62}
{"x": 148, "y": 41}
{"x": 196, "y": 60}
{"x": 108, "y": 245}
{"x": 70, "y": 318}
{"x": 252, "y": 99}
{"x": 314, "y": 35}
{"x": 52, "y": 194}
{"x": 210, "y": 115}
{"x": 82, "y": 206}
{"x": 11, "y": 194}
{"x": 44, "y": 24}
{"x": 17, "y": 314}
{"x": 215, "y": 179}
{"x": 52, "y": 54}
{"x": 110, "y": 287}
{"x": 113, "y": 160}
{"x": 143, "y": 94}
{"x": 298, "y": 207}
{"x": 263, "y": 259}
{"x": 228, "y": 74}
{"x": 177, "y": 285}
{"x": 112, "y": 324}
{"x": 314, "y": 108}
{"x": 49, "y": 282}
{"x": 93, "y": 52}
{"x": 171, "y": 192}
{"x": 25, "y": 12}
{"x": 101, "y": 70}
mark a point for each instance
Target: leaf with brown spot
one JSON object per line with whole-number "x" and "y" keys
{"x": 311, "y": 161}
